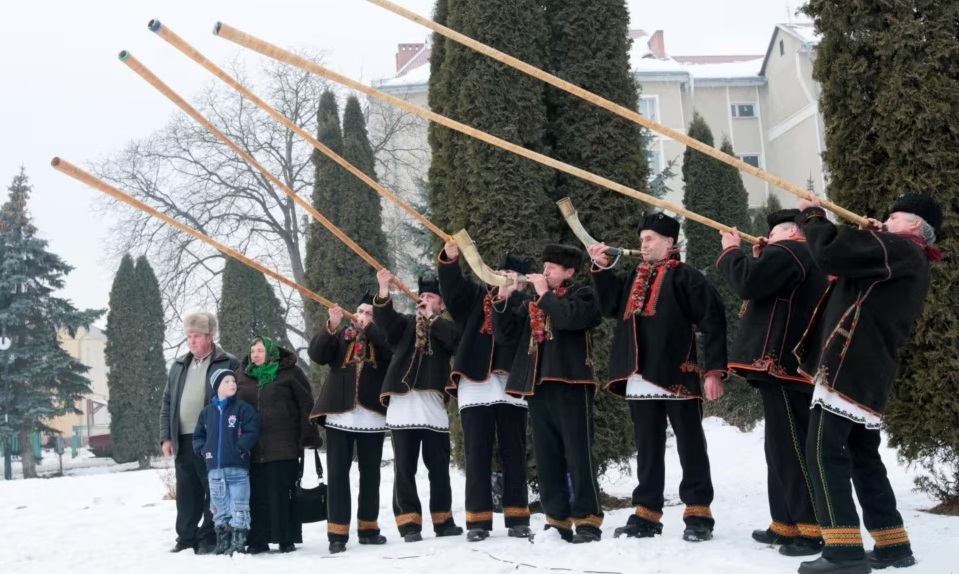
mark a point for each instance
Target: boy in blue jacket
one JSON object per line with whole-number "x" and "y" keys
{"x": 224, "y": 436}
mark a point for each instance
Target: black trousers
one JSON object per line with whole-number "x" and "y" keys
{"x": 192, "y": 496}
{"x": 788, "y": 488}
{"x": 561, "y": 416}
{"x": 838, "y": 450}
{"x": 272, "y": 518}
{"x": 649, "y": 428}
{"x": 482, "y": 426}
{"x": 406, "y": 501}
{"x": 339, "y": 459}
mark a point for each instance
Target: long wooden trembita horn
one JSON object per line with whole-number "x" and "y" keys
{"x": 82, "y": 176}
{"x": 475, "y": 261}
{"x": 246, "y": 40}
{"x": 154, "y": 81}
{"x": 572, "y": 219}
{"x": 616, "y": 108}
{"x": 194, "y": 54}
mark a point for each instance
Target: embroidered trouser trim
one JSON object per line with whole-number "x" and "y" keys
{"x": 436, "y": 456}
{"x": 789, "y": 488}
{"x": 484, "y": 426}
{"x": 649, "y": 427}
{"x": 840, "y": 451}
{"x": 561, "y": 417}
{"x": 339, "y": 458}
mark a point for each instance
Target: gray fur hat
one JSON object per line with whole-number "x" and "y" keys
{"x": 201, "y": 322}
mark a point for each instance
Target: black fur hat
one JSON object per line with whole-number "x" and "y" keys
{"x": 661, "y": 224}
{"x": 518, "y": 263}
{"x": 428, "y": 284}
{"x": 564, "y": 255}
{"x": 367, "y": 299}
{"x": 922, "y": 205}
{"x": 781, "y": 216}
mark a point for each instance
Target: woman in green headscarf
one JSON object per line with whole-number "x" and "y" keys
{"x": 271, "y": 381}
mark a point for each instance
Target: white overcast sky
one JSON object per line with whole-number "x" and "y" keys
{"x": 64, "y": 93}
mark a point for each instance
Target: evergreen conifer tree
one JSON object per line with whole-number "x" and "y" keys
{"x": 39, "y": 380}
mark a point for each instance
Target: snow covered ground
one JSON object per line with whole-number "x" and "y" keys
{"x": 107, "y": 519}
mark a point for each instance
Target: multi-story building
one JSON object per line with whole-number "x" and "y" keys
{"x": 766, "y": 104}
{"x": 88, "y": 347}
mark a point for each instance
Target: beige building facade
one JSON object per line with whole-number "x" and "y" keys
{"x": 87, "y": 346}
{"x": 765, "y": 104}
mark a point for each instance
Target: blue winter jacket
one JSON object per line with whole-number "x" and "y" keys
{"x": 225, "y": 433}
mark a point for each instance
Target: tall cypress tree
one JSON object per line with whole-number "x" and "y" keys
{"x": 134, "y": 357}
{"x": 588, "y": 45}
{"x": 40, "y": 380}
{"x": 499, "y": 197}
{"x": 323, "y": 249}
{"x": 895, "y": 129}
{"x": 248, "y": 307}
{"x": 700, "y": 174}
{"x": 360, "y": 211}
{"x": 740, "y": 405}
{"x": 122, "y": 356}
{"x": 153, "y": 365}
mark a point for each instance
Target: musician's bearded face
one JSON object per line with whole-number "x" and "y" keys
{"x": 556, "y": 274}
{"x": 654, "y": 247}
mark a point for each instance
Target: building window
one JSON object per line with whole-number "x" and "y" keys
{"x": 649, "y": 107}
{"x": 751, "y": 158}
{"x": 782, "y": 48}
{"x": 654, "y": 159}
{"x": 743, "y": 110}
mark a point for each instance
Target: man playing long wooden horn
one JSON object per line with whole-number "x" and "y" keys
{"x": 489, "y": 415}
{"x": 414, "y": 393}
{"x": 349, "y": 408}
{"x": 851, "y": 350}
{"x": 657, "y": 306}
{"x": 780, "y": 285}
{"x": 553, "y": 369}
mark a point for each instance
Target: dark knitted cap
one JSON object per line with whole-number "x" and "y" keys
{"x": 922, "y": 205}
{"x": 781, "y": 216}
{"x": 564, "y": 255}
{"x": 428, "y": 284}
{"x": 517, "y": 263}
{"x": 661, "y": 224}
{"x": 217, "y": 377}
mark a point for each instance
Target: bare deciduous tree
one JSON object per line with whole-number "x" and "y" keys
{"x": 185, "y": 171}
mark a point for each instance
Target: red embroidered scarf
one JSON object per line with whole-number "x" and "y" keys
{"x": 645, "y": 291}
{"x": 539, "y": 323}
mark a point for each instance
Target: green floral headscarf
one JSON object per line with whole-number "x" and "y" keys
{"x": 265, "y": 373}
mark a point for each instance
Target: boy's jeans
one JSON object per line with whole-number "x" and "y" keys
{"x": 230, "y": 497}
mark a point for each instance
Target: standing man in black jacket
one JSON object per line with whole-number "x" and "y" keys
{"x": 478, "y": 382}
{"x": 349, "y": 408}
{"x": 414, "y": 393}
{"x": 851, "y": 350}
{"x": 553, "y": 369}
{"x": 186, "y": 394}
{"x": 780, "y": 285}
{"x": 657, "y": 307}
